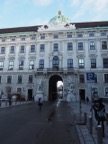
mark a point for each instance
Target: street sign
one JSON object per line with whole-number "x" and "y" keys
{"x": 90, "y": 77}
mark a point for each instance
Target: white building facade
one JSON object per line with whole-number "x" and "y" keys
{"x": 57, "y": 51}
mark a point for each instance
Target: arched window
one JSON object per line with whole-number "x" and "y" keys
{"x": 55, "y": 62}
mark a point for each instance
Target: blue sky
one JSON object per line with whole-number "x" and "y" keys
{"x": 18, "y": 13}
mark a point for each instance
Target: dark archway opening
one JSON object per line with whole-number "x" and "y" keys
{"x": 53, "y": 95}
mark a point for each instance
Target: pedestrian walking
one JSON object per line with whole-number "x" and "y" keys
{"x": 87, "y": 100}
{"x": 40, "y": 103}
{"x": 99, "y": 112}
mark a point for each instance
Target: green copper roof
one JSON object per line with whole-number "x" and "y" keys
{"x": 59, "y": 19}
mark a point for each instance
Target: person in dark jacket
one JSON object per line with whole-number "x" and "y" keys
{"x": 40, "y": 103}
{"x": 99, "y": 112}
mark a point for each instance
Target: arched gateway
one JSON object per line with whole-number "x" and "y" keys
{"x": 53, "y": 87}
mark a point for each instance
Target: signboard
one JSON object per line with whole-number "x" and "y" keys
{"x": 90, "y": 77}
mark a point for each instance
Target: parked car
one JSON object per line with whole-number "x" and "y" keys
{"x": 4, "y": 98}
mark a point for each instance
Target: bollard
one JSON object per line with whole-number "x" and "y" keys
{"x": 85, "y": 118}
{"x": 107, "y": 118}
{"x": 90, "y": 124}
{"x": 99, "y": 134}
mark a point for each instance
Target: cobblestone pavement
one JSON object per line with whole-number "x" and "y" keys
{"x": 85, "y": 137}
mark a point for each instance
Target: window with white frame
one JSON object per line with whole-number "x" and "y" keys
{"x": 0, "y": 79}
{"x": 3, "y": 39}
{"x": 42, "y": 47}
{"x": 19, "y": 78}
{"x": 31, "y": 64}
{"x": 79, "y": 35}
{"x": 69, "y": 46}
{"x": 32, "y": 50}
{"x": 30, "y": 80}
{"x": 12, "y": 49}
{"x": 41, "y": 64}
{"x": 81, "y": 78}
{"x": 22, "y": 49}
{"x": 69, "y": 35}
{"x": 103, "y": 34}
{"x": 81, "y": 63}
{"x": 33, "y": 37}
{"x": 80, "y": 46}
{"x": 93, "y": 62}
{"x": 2, "y": 50}
{"x": 95, "y": 91}
{"x": 92, "y": 45}
{"x": 55, "y": 36}
{"x": 11, "y": 65}
{"x": 104, "y": 45}
{"x": 19, "y": 90}
{"x": 21, "y": 64}
{"x": 106, "y": 91}
{"x": 55, "y": 47}
{"x": 1, "y": 65}
{"x": 70, "y": 63}
{"x": 23, "y": 39}
{"x": 9, "y": 79}
{"x": 42, "y": 36}
{"x": 91, "y": 34}
{"x": 106, "y": 78}
{"x": 55, "y": 62}
{"x": 105, "y": 62}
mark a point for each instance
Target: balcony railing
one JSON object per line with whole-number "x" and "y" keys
{"x": 57, "y": 69}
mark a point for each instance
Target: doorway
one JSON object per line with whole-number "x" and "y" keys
{"x": 53, "y": 92}
{"x": 30, "y": 94}
{"x": 82, "y": 94}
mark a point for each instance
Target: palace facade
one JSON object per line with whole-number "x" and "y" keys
{"x": 57, "y": 51}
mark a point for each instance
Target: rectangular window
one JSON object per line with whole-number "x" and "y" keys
{"x": 12, "y": 49}
{"x": 69, "y": 46}
{"x": 31, "y": 65}
{"x": 80, "y": 46}
{"x": 80, "y": 35}
{"x": 22, "y": 49}
{"x": 92, "y": 45}
{"x": 81, "y": 78}
{"x": 23, "y": 39}
{"x": 42, "y": 47}
{"x": 41, "y": 64}
{"x": 81, "y": 63}
{"x": 19, "y": 78}
{"x": 3, "y": 39}
{"x": 30, "y": 79}
{"x": 21, "y": 64}
{"x": 55, "y": 36}
{"x": 1, "y": 65}
{"x": 106, "y": 78}
{"x": 105, "y": 62}
{"x": 42, "y": 36}
{"x": 32, "y": 48}
{"x": 70, "y": 63}
{"x": 11, "y": 65}
{"x": 13, "y": 39}
{"x": 9, "y": 79}
{"x": 0, "y": 79}
{"x": 103, "y": 34}
{"x": 93, "y": 63}
{"x": 106, "y": 91}
{"x": 55, "y": 46}
{"x": 104, "y": 45}
{"x": 33, "y": 37}
{"x": 91, "y": 34}
{"x": 2, "y": 50}
{"x": 69, "y": 35}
